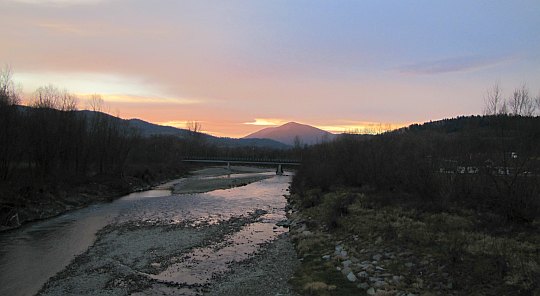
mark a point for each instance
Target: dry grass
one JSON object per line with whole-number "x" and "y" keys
{"x": 455, "y": 249}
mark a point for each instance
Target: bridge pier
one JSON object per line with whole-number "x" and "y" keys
{"x": 279, "y": 170}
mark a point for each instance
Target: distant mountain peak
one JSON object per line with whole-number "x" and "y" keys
{"x": 288, "y": 132}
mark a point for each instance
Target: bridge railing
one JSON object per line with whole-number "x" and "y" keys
{"x": 242, "y": 159}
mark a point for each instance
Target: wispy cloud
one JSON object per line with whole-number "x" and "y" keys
{"x": 267, "y": 121}
{"x": 175, "y": 123}
{"x": 363, "y": 127}
{"x": 62, "y": 28}
{"x": 59, "y": 2}
{"x": 456, "y": 64}
{"x": 127, "y": 98}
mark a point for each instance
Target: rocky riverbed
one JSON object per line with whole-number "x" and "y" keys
{"x": 215, "y": 241}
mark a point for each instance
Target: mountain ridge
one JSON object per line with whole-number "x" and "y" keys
{"x": 290, "y": 132}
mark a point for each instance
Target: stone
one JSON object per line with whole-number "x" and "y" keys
{"x": 375, "y": 279}
{"x": 343, "y": 254}
{"x": 409, "y": 264}
{"x": 306, "y": 233}
{"x": 370, "y": 291}
{"x": 364, "y": 266}
{"x": 346, "y": 263}
{"x": 363, "y": 286}
{"x": 326, "y": 257}
{"x": 351, "y": 277}
{"x": 284, "y": 223}
{"x": 363, "y": 274}
{"x": 379, "y": 284}
{"x": 346, "y": 271}
{"x": 377, "y": 257}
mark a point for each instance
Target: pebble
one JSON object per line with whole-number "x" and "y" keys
{"x": 377, "y": 257}
{"x": 379, "y": 284}
{"x": 351, "y": 277}
{"x": 409, "y": 264}
{"x": 375, "y": 279}
{"x": 346, "y": 271}
{"x": 363, "y": 286}
{"x": 326, "y": 257}
{"x": 306, "y": 233}
{"x": 346, "y": 263}
{"x": 363, "y": 274}
{"x": 284, "y": 223}
{"x": 370, "y": 291}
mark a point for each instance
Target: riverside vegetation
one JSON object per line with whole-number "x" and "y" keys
{"x": 443, "y": 208}
{"x": 55, "y": 158}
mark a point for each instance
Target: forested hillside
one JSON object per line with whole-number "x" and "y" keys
{"x": 450, "y": 207}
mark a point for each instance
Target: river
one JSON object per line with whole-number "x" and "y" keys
{"x": 174, "y": 241}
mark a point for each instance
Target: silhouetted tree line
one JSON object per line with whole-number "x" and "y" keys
{"x": 49, "y": 149}
{"x": 482, "y": 162}
{"x": 51, "y": 139}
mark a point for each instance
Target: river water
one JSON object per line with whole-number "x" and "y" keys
{"x": 29, "y": 256}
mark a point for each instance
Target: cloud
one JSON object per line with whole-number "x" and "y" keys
{"x": 267, "y": 122}
{"x": 62, "y": 28}
{"x": 456, "y": 64}
{"x": 59, "y": 2}
{"x": 90, "y": 82}
{"x": 128, "y": 98}
{"x": 175, "y": 123}
{"x": 362, "y": 127}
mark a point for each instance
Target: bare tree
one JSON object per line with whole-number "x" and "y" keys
{"x": 68, "y": 102}
{"x": 9, "y": 93}
{"x": 521, "y": 103}
{"x": 537, "y": 101}
{"x": 297, "y": 142}
{"x": 493, "y": 101}
{"x": 95, "y": 103}
{"x": 53, "y": 98}
{"x": 194, "y": 127}
{"x": 10, "y": 124}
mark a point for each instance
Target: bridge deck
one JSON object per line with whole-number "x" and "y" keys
{"x": 241, "y": 161}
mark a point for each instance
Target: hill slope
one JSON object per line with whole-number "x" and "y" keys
{"x": 288, "y": 132}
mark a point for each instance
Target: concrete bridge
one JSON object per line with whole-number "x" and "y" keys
{"x": 257, "y": 161}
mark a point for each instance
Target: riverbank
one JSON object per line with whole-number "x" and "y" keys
{"x": 22, "y": 202}
{"x": 224, "y": 242}
{"x": 25, "y": 203}
{"x": 354, "y": 242}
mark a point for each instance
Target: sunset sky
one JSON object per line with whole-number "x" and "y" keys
{"x": 239, "y": 66}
